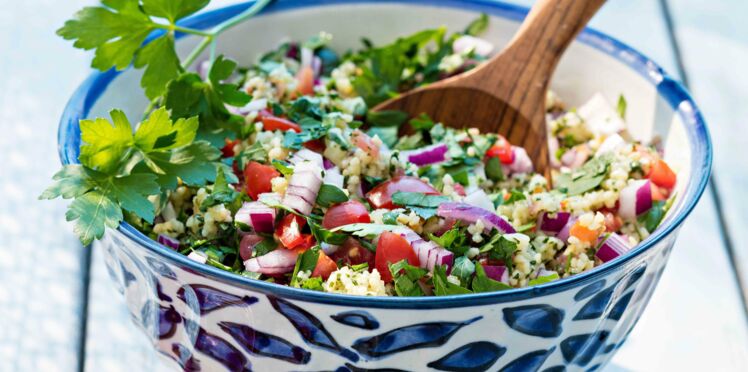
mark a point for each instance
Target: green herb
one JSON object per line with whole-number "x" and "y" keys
{"x": 482, "y": 283}
{"x": 478, "y": 26}
{"x": 587, "y": 178}
{"x": 515, "y": 196}
{"x": 526, "y": 227}
{"x": 388, "y": 135}
{"x": 654, "y": 216}
{"x": 410, "y": 142}
{"x": 390, "y": 218}
{"x": 306, "y": 107}
{"x": 283, "y": 167}
{"x": 501, "y": 248}
{"x": 363, "y": 230}
{"x": 323, "y": 235}
{"x": 306, "y": 262}
{"x": 442, "y": 287}
{"x": 329, "y": 195}
{"x": 406, "y": 279}
{"x": 421, "y": 122}
{"x": 447, "y": 238}
{"x": 463, "y": 268}
{"x": 544, "y": 279}
{"x": 422, "y": 204}
{"x": 255, "y": 152}
{"x": 360, "y": 267}
{"x": 311, "y": 129}
{"x": 318, "y": 41}
{"x": 494, "y": 172}
{"x": 264, "y": 247}
{"x": 222, "y": 193}
{"x": 621, "y": 106}
{"x": 314, "y": 284}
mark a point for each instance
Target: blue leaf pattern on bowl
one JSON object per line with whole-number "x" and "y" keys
{"x": 589, "y": 290}
{"x": 409, "y": 337}
{"x": 310, "y": 328}
{"x": 580, "y": 349}
{"x": 356, "y": 318}
{"x": 535, "y": 320}
{"x": 595, "y": 307}
{"x": 264, "y": 344}
{"x": 620, "y": 307}
{"x": 222, "y": 351}
{"x": 476, "y": 356}
{"x": 529, "y": 362}
{"x": 184, "y": 358}
{"x": 210, "y": 299}
{"x": 168, "y": 321}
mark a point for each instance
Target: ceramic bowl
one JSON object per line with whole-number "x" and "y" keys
{"x": 199, "y": 317}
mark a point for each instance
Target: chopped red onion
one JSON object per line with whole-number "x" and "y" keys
{"x": 466, "y": 43}
{"x": 304, "y": 186}
{"x": 334, "y": 177}
{"x": 199, "y": 257}
{"x": 307, "y": 155}
{"x": 563, "y": 235}
{"x": 471, "y": 214}
{"x": 497, "y": 272}
{"x": 329, "y": 248}
{"x": 613, "y": 247}
{"x": 429, "y": 253}
{"x": 635, "y": 199}
{"x": 316, "y": 67}
{"x": 247, "y": 245}
{"x": 427, "y": 155}
{"x": 256, "y": 215}
{"x": 168, "y": 241}
{"x": 479, "y": 199}
{"x": 327, "y": 164}
{"x": 521, "y": 162}
{"x": 279, "y": 261}
{"x": 553, "y": 225}
{"x": 307, "y": 55}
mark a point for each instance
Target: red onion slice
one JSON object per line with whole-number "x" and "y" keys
{"x": 466, "y": 43}
{"x": 563, "y": 235}
{"x": 613, "y": 247}
{"x": 427, "y": 155}
{"x": 168, "y": 241}
{"x": 334, "y": 177}
{"x": 522, "y": 162}
{"x": 247, "y": 245}
{"x": 304, "y": 186}
{"x": 471, "y": 214}
{"x": 256, "y": 215}
{"x": 497, "y": 272}
{"x": 552, "y": 225}
{"x": 635, "y": 199}
{"x": 198, "y": 257}
{"x": 279, "y": 261}
{"x": 307, "y": 155}
{"x": 429, "y": 253}
{"x": 327, "y": 164}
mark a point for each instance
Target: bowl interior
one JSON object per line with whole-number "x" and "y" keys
{"x": 593, "y": 64}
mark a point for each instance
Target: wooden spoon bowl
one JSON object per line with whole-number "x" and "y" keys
{"x": 506, "y": 94}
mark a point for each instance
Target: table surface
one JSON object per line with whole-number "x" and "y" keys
{"x": 59, "y": 311}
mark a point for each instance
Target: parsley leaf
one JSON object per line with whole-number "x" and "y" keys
{"x": 386, "y": 118}
{"x": 587, "y": 178}
{"x": 161, "y": 65}
{"x": 621, "y": 106}
{"x": 463, "y": 268}
{"x": 406, "y": 279}
{"x": 366, "y": 229}
{"x": 306, "y": 261}
{"x": 544, "y": 279}
{"x": 501, "y": 248}
{"x": 422, "y": 122}
{"x": 654, "y": 216}
{"x": 477, "y": 26}
{"x": 329, "y": 195}
{"x": 323, "y": 235}
{"x": 70, "y": 182}
{"x": 442, "y": 287}
{"x": 173, "y": 9}
{"x": 222, "y": 193}
{"x": 482, "y": 283}
{"x": 92, "y": 213}
{"x": 422, "y": 204}
{"x": 494, "y": 172}
{"x": 104, "y": 143}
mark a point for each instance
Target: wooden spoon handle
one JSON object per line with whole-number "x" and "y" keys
{"x": 537, "y": 47}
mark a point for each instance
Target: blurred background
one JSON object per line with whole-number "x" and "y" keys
{"x": 59, "y": 312}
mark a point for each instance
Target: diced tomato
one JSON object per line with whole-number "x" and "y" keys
{"x": 272, "y": 123}
{"x": 381, "y": 196}
{"x": 289, "y": 233}
{"x": 502, "y": 149}
{"x": 228, "y": 149}
{"x": 364, "y": 142}
{"x": 257, "y": 178}
{"x": 325, "y": 266}
{"x": 392, "y": 248}
{"x": 345, "y": 213}
{"x": 459, "y": 189}
{"x": 305, "y": 81}
{"x": 612, "y": 221}
{"x": 583, "y": 233}
{"x": 659, "y": 193}
{"x": 352, "y": 252}
{"x": 661, "y": 175}
{"x": 317, "y": 145}
{"x": 307, "y": 242}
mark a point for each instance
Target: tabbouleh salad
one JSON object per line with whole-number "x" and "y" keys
{"x": 311, "y": 189}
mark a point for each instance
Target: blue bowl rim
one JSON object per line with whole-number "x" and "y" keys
{"x": 668, "y": 88}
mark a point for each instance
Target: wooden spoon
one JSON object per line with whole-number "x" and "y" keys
{"x": 507, "y": 93}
